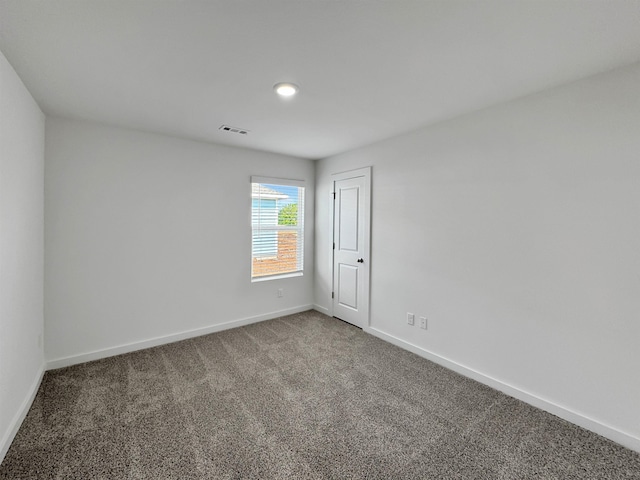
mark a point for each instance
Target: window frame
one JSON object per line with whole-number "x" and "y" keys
{"x": 300, "y": 228}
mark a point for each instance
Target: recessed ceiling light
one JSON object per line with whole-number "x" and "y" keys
{"x": 286, "y": 89}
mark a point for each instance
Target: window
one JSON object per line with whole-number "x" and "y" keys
{"x": 277, "y": 227}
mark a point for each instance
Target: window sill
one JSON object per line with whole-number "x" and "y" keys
{"x": 276, "y": 277}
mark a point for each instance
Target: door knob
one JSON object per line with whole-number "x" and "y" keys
{"x": 361, "y": 260}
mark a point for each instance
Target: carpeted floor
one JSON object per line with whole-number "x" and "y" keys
{"x": 304, "y": 396}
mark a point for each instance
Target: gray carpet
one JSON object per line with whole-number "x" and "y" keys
{"x": 304, "y": 396}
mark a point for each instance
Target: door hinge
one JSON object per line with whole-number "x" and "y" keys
{"x": 334, "y": 245}
{"x": 334, "y": 195}
{"x": 332, "y": 294}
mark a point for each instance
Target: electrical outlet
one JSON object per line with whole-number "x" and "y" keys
{"x": 411, "y": 318}
{"x": 280, "y": 292}
{"x": 423, "y": 322}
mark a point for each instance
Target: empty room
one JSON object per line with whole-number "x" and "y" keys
{"x": 309, "y": 239}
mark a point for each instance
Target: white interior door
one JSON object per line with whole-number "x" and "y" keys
{"x": 351, "y": 235}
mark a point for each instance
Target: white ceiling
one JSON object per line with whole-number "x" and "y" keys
{"x": 368, "y": 69}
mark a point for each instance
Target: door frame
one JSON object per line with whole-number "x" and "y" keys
{"x": 366, "y": 173}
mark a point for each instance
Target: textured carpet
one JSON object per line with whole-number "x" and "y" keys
{"x": 303, "y": 396}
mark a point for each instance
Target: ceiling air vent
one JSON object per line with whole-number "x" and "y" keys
{"x": 239, "y": 131}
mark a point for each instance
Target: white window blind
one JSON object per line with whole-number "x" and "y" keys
{"x": 277, "y": 227}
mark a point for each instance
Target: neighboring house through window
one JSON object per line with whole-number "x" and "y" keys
{"x": 277, "y": 224}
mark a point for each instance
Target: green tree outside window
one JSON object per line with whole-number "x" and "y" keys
{"x": 288, "y": 215}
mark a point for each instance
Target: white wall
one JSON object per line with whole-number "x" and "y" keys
{"x": 21, "y": 250}
{"x": 149, "y": 236}
{"x": 516, "y": 230}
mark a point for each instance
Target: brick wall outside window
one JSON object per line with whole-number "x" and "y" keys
{"x": 284, "y": 262}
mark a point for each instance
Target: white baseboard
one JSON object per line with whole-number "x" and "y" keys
{"x": 175, "y": 337}
{"x": 563, "y": 412}
{"x": 321, "y": 309}
{"x": 20, "y": 415}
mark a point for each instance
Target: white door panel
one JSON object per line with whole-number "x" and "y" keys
{"x": 348, "y": 288}
{"x": 348, "y": 227}
{"x": 351, "y": 246}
